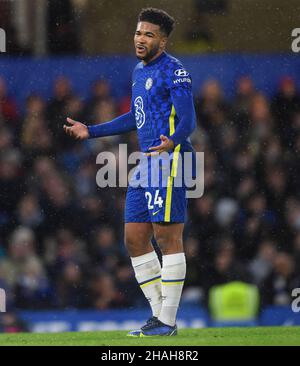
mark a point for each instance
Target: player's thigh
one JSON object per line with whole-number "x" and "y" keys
{"x": 136, "y": 209}
{"x": 138, "y": 237}
{"x": 169, "y": 237}
{"x": 138, "y": 227}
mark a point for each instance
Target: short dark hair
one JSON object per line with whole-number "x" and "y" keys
{"x": 158, "y": 17}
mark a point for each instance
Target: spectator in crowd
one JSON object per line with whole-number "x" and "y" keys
{"x": 210, "y": 103}
{"x": 132, "y": 295}
{"x": 104, "y": 293}
{"x": 296, "y": 251}
{"x": 255, "y": 222}
{"x": 56, "y": 110}
{"x": 285, "y": 104}
{"x": 33, "y": 289}
{"x": 192, "y": 292}
{"x": 225, "y": 267}
{"x": 105, "y": 250}
{"x": 104, "y": 110}
{"x": 21, "y": 255}
{"x": 278, "y": 286}
{"x": 261, "y": 122}
{"x": 24, "y": 271}
{"x": 68, "y": 249}
{"x": 8, "y": 107}
{"x": 11, "y": 188}
{"x": 241, "y": 105}
{"x": 71, "y": 288}
{"x": 100, "y": 92}
{"x": 203, "y": 224}
{"x": 262, "y": 264}
{"x": 29, "y": 212}
{"x": 6, "y": 138}
{"x": 10, "y": 322}
{"x": 36, "y": 138}
{"x": 62, "y": 92}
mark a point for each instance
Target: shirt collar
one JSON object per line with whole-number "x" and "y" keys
{"x": 157, "y": 59}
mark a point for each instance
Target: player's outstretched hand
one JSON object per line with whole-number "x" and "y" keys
{"x": 166, "y": 145}
{"x": 76, "y": 129}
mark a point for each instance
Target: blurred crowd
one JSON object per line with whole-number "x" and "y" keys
{"x": 61, "y": 236}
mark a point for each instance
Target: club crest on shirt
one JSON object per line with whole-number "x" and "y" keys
{"x": 149, "y": 83}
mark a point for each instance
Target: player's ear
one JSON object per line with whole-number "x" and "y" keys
{"x": 163, "y": 42}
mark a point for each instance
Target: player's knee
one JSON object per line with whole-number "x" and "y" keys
{"x": 136, "y": 248}
{"x": 169, "y": 243}
{"x": 130, "y": 241}
{"x": 162, "y": 240}
{"x": 133, "y": 245}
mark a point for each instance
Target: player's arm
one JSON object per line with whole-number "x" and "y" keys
{"x": 184, "y": 106}
{"x": 182, "y": 99}
{"x": 117, "y": 126}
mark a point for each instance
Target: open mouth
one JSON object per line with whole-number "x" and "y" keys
{"x": 140, "y": 48}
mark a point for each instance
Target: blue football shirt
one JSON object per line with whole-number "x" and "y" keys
{"x": 158, "y": 90}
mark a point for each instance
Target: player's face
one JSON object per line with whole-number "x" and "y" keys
{"x": 149, "y": 41}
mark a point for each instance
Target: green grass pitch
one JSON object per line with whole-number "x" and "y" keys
{"x": 254, "y": 336}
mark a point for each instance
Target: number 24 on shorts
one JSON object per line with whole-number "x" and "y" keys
{"x": 157, "y": 200}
